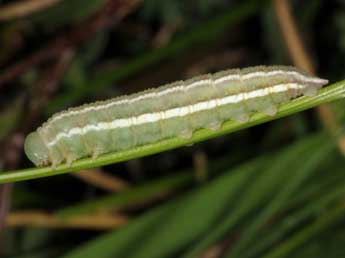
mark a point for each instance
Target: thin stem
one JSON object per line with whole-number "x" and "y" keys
{"x": 333, "y": 92}
{"x": 37, "y": 218}
{"x": 24, "y": 8}
{"x": 98, "y": 178}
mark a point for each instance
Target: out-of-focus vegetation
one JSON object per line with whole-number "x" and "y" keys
{"x": 273, "y": 190}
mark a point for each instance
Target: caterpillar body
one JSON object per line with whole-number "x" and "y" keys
{"x": 175, "y": 109}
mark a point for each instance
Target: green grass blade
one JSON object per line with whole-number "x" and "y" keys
{"x": 296, "y": 178}
{"x": 277, "y": 232}
{"x": 143, "y": 191}
{"x": 180, "y": 223}
{"x": 325, "y": 221}
{"x": 327, "y": 94}
{"x": 196, "y": 213}
{"x": 115, "y": 244}
{"x": 127, "y": 197}
{"x": 265, "y": 185}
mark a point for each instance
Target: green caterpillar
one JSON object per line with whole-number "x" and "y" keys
{"x": 176, "y": 109}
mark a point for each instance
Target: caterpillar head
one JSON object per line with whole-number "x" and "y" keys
{"x": 36, "y": 150}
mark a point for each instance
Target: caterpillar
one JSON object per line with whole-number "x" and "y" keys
{"x": 172, "y": 110}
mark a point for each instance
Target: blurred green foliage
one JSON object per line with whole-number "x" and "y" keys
{"x": 66, "y": 13}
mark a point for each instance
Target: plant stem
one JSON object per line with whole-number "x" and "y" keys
{"x": 331, "y": 93}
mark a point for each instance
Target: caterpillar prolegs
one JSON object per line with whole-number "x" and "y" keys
{"x": 176, "y": 109}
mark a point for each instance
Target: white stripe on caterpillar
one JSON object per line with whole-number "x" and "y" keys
{"x": 175, "y": 112}
{"x": 244, "y": 77}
